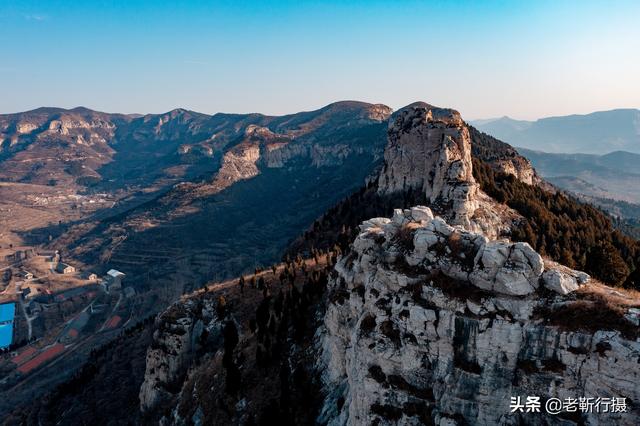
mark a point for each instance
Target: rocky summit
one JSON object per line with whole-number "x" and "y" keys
{"x": 429, "y": 149}
{"x": 429, "y": 323}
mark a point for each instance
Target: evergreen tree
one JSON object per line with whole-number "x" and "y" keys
{"x": 606, "y": 263}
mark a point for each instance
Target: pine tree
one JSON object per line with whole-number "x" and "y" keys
{"x": 606, "y": 263}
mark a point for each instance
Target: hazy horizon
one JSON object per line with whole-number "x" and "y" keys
{"x": 471, "y": 119}
{"x": 525, "y": 61}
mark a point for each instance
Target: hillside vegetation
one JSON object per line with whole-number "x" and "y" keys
{"x": 575, "y": 234}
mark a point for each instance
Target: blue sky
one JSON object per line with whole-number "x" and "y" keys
{"x": 522, "y": 59}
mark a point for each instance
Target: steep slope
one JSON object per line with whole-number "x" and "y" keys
{"x": 503, "y": 158}
{"x": 556, "y": 224}
{"x": 596, "y": 133}
{"x": 272, "y": 182}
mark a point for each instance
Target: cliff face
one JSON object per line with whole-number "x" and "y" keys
{"x": 181, "y": 332}
{"x": 440, "y": 325}
{"x": 429, "y": 149}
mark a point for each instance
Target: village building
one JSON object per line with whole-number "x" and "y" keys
{"x": 18, "y": 256}
{"x": 25, "y": 292}
{"x": 114, "y": 279}
{"x": 64, "y": 268}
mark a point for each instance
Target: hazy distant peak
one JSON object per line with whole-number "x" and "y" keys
{"x": 599, "y": 132}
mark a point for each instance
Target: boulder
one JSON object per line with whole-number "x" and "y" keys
{"x": 514, "y": 282}
{"x": 421, "y": 213}
{"x": 376, "y": 222}
{"x": 559, "y": 282}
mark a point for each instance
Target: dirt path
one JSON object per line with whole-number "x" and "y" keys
{"x": 26, "y": 317}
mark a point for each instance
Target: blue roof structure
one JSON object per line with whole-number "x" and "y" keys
{"x": 7, "y": 312}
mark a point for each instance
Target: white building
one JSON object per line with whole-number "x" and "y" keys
{"x": 114, "y": 279}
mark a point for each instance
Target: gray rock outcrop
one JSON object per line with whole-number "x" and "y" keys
{"x": 175, "y": 342}
{"x": 429, "y": 149}
{"x": 432, "y": 324}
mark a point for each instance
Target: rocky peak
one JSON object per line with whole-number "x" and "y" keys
{"x": 428, "y": 243}
{"x": 258, "y": 132}
{"x": 429, "y": 149}
{"x": 176, "y": 340}
{"x": 429, "y": 323}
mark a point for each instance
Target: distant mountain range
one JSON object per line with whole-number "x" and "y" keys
{"x": 596, "y": 133}
{"x": 610, "y": 181}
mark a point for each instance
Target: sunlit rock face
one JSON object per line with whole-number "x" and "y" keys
{"x": 429, "y": 149}
{"x": 429, "y": 323}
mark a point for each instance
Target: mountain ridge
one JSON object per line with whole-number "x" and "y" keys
{"x": 598, "y": 132}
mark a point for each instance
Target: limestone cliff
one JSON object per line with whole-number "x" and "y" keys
{"x": 429, "y": 149}
{"x": 181, "y": 332}
{"x": 432, "y": 324}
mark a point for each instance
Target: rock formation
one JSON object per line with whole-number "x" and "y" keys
{"x": 429, "y": 149}
{"x": 433, "y": 324}
{"x": 175, "y": 343}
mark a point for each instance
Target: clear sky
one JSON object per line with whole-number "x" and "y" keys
{"x": 522, "y": 59}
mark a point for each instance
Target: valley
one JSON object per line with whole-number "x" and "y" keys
{"x": 170, "y": 201}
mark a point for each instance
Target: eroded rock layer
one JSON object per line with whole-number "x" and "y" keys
{"x": 429, "y": 149}
{"x": 432, "y": 324}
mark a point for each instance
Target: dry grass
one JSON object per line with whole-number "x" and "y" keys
{"x": 596, "y": 307}
{"x": 404, "y": 237}
{"x": 619, "y": 298}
